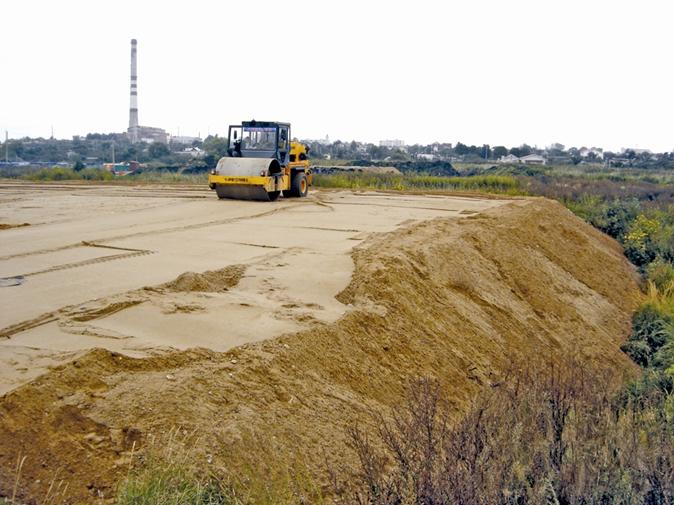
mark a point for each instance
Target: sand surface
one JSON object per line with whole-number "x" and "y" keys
{"x": 91, "y": 263}
{"x": 459, "y": 300}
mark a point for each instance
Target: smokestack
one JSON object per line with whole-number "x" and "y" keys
{"x": 133, "y": 110}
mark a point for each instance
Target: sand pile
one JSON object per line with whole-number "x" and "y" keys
{"x": 456, "y": 300}
{"x": 211, "y": 281}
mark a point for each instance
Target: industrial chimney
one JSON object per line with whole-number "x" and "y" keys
{"x": 133, "y": 110}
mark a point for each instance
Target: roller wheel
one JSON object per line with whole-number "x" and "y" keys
{"x": 300, "y": 186}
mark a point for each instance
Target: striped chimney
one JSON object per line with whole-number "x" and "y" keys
{"x": 133, "y": 110}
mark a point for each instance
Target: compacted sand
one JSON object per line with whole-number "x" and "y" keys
{"x": 266, "y": 329}
{"x": 84, "y": 266}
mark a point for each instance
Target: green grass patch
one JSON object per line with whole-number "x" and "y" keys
{"x": 152, "y": 176}
{"x": 68, "y": 174}
{"x": 167, "y": 474}
{"x": 502, "y": 184}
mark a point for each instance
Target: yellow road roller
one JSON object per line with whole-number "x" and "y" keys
{"x": 261, "y": 163}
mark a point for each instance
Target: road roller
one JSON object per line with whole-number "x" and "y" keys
{"x": 262, "y": 162}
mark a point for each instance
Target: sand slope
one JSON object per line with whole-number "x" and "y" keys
{"x": 454, "y": 299}
{"x": 90, "y": 251}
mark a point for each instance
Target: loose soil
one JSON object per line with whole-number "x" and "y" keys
{"x": 455, "y": 298}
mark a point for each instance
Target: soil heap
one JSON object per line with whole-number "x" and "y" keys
{"x": 458, "y": 300}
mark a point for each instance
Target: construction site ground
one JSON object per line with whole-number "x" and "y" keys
{"x": 131, "y": 311}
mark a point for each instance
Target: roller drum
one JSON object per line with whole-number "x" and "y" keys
{"x": 242, "y": 192}
{"x": 247, "y": 167}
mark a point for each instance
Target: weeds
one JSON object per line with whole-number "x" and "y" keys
{"x": 547, "y": 435}
{"x": 68, "y": 174}
{"x": 172, "y": 472}
{"x": 166, "y": 474}
{"x": 154, "y": 176}
{"x": 489, "y": 183}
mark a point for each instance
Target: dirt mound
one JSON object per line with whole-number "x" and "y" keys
{"x": 211, "y": 281}
{"x": 456, "y": 300}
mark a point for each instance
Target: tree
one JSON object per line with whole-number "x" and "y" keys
{"x": 461, "y": 149}
{"x": 499, "y": 151}
{"x": 520, "y": 151}
{"x": 78, "y": 166}
{"x": 215, "y": 146}
{"x": 158, "y": 149}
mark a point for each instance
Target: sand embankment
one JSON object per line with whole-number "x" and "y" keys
{"x": 456, "y": 299}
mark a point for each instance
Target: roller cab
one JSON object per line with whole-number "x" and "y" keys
{"x": 261, "y": 164}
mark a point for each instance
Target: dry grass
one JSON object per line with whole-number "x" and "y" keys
{"x": 171, "y": 470}
{"x": 167, "y": 473}
{"x": 546, "y": 435}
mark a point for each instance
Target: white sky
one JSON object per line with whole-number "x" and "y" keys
{"x": 579, "y": 72}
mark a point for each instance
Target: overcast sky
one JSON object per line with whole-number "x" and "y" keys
{"x": 579, "y": 72}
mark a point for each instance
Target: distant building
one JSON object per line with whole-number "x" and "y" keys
{"x": 533, "y": 159}
{"x": 194, "y": 152}
{"x": 427, "y": 157}
{"x": 509, "y": 158}
{"x": 392, "y": 143}
{"x": 184, "y": 140}
{"x": 148, "y": 134}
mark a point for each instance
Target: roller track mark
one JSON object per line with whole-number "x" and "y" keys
{"x": 389, "y": 206}
{"x": 264, "y": 246}
{"x": 27, "y": 325}
{"x": 159, "y": 231}
{"x": 345, "y": 230}
{"x": 92, "y": 261}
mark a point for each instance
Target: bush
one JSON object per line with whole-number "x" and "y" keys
{"x": 95, "y": 174}
{"x": 652, "y": 326}
{"x": 661, "y": 273}
{"x": 639, "y": 240}
{"x": 549, "y": 436}
{"x": 639, "y": 351}
{"x": 618, "y": 216}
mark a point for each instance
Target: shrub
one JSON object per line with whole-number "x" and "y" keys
{"x": 639, "y": 240}
{"x": 661, "y": 273}
{"x": 544, "y": 436}
{"x": 652, "y": 326}
{"x": 639, "y": 351}
{"x": 95, "y": 174}
{"x": 618, "y": 217}
{"x": 54, "y": 174}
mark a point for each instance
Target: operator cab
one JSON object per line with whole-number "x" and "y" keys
{"x": 260, "y": 139}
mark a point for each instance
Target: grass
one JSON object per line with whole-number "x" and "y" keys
{"x": 175, "y": 471}
{"x": 167, "y": 178}
{"x": 68, "y": 174}
{"x": 166, "y": 474}
{"x": 488, "y": 183}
